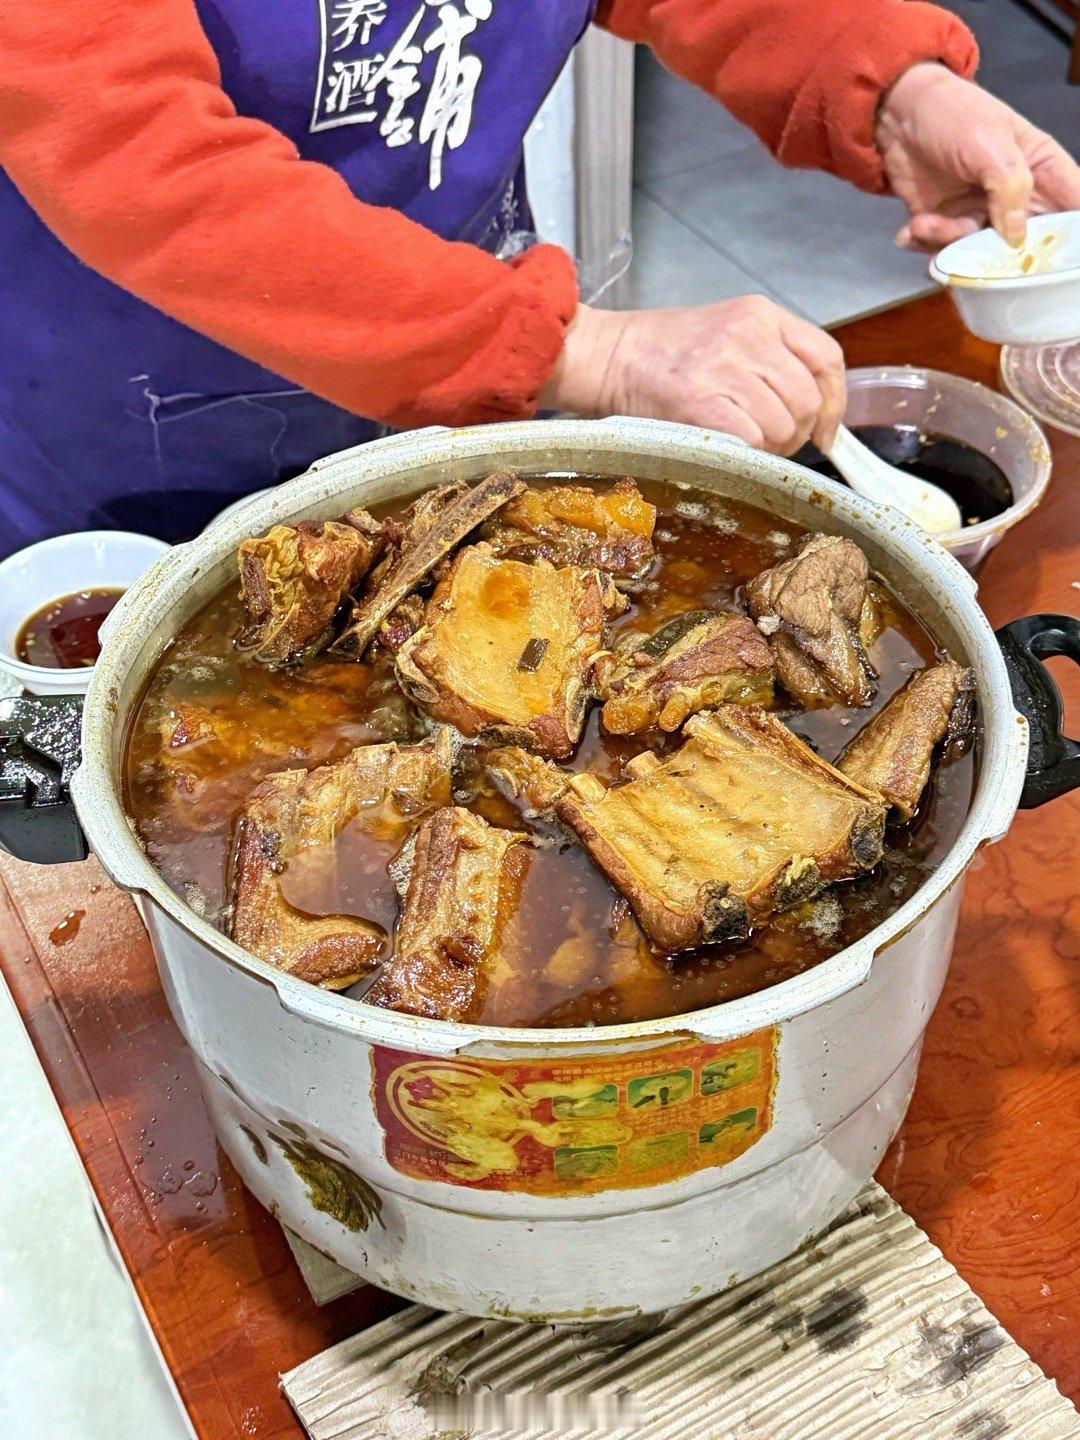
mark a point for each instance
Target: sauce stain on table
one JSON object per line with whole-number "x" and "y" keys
{"x": 68, "y": 928}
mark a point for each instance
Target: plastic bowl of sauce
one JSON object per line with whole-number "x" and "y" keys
{"x": 54, "y": 597}
{"x": 979, "y": 446}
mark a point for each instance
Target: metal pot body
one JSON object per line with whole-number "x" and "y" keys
{"x": 556, "y": 1174}
{"x": 309, "y": 1118}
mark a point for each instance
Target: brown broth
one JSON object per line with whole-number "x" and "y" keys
{"x": 573, "y": 954}
{"x": 63, "y": 634}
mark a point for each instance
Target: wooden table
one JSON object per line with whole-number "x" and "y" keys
{"x": 1072, "y": 9}
{"x": 986, "y": 1161}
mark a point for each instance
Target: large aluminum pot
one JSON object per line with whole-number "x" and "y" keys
{"x": 555, "y": 1174}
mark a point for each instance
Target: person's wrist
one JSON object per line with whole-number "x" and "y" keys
{"x": 580, "y": 380}
{"x": 907, "y": 95}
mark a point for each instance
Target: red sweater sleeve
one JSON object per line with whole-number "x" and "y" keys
{"x": 114, "y": 126}
{"x": 805, "y": 75}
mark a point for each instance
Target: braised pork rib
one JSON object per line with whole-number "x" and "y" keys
{"x": 295, "y": 577}
{"x": 384, "y": 789}
{"x": 506, "y": 650}
{"x": 464, "y": 883}
{"x": 608, "y": 530}
{"x": 694, "y": 662}
{"x": 820, "y": 617}
{"x": 212, "y": 749}
{"x": 892, "y": 754}
{"x": 431, "y": 529}
{"x": 487, "y": 618}
{"x": 534, "y": 785}
{"x": 743, "y": 820}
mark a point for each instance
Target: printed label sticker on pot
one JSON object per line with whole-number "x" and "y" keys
{"x": 584, "y": 1123}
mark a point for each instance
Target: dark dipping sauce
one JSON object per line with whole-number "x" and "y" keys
{"x": 978, "y": 485}
{"x": 573, "y": 953}
{"x": 63, "y": 635}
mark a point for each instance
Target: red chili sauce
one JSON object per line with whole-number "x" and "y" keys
{"x": 63, "y": 634}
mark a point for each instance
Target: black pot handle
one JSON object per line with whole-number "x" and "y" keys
{"x": 40, "y": 748}
{"x": 1053, "y": 759}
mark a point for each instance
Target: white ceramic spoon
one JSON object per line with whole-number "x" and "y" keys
{"x": 928, "y": 505}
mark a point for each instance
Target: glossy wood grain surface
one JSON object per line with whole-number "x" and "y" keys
{"x": 986, "y": 1161}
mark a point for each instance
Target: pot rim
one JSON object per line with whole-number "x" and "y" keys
{"x": 97, "y": 785}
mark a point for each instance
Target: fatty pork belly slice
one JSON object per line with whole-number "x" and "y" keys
{"x": 465, "y": 880}
{"x": 820, "y": 616}
{"x": 418, "y": 545}
{"x": 294, "y": 578}
{"x": 694, "y": 662}
{"x": 296, "y": 817}
{"x": 892, "y": 755}
{"x": 506, "y": 650}
{"x": 610, "y": 530}
{"x": 742, "y": 821}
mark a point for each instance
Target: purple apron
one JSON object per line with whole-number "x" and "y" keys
{"x": 112, "y": 415}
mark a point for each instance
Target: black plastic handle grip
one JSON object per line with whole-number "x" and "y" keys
{"x": 39, "y": 750}
{"x": 1054, "y": 759}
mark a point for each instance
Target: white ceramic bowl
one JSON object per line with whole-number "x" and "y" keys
{"x": 64, "y": 565}
{"x": 960, "y": 409}
{"x": 1025, "y": 296}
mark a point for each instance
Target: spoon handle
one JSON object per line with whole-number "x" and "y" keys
{"x": 875, "y": 479}
{"x": 858, "y": 465}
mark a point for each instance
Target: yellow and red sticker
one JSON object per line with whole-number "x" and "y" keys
{"x": 579, "y": 1124}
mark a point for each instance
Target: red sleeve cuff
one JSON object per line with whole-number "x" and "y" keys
{"x": 832, "y": 121}
{"x": 503, "y": 379}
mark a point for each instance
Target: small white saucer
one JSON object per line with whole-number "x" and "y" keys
{"x": 51, "y": 569}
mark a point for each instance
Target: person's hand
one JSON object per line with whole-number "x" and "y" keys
{"x": 744, "y": 366}
{"x": 959, "y": 158}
